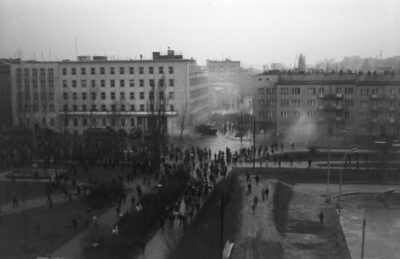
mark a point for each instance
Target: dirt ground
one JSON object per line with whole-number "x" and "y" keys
{"x": 303, "y": 236}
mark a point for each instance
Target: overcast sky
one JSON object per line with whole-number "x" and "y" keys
{"x": 255, "y": 32}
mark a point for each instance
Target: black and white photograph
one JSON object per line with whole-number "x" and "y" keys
{"x": 199, "y": 129}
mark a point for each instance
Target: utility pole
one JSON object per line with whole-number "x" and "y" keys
{"x": 254, "y": 141}
{"x": 221, "y": 240}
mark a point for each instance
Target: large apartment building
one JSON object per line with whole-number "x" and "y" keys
{"x": 93, "y": 92}
{"x": 333, "y": 104}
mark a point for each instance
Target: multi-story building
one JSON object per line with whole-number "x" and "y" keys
{"x": 72, "y": 96}
{"x": 332, "y": 104}
{"x": 5, "y": 92}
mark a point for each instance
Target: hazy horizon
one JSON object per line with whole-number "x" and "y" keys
{"x": 256, "y": 32}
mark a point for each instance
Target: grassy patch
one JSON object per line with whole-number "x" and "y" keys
{"x": 202, "y": 239}
{"x": 39, "y": 231}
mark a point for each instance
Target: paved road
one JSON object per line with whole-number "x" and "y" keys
{"x": 259, "y": 228}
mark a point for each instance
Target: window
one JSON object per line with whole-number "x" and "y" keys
{"x": 73, "y": 71}
{"x": 171, "y": 107}
{"x": 65, "y": 85}
{"x": 93, "y": 70}
{"x": 141, "y": 82}
{"x": 74, "y": 96}
{"x": 132, "y": 107}
{"x": 375, "y": 91}
{"x": 112, "y": 96}
{"x": 364, "y": 116}
{"x": 103, "y": 108}
{"x": 348, "y": 90}
{"x": 348, "y": 115}
{"x": 102, "y": 71}
{"x": 66, "y": 122}
{"x": 103, "y": 95}
{"x": 122, "y": 96}
{"x": 151, "y": 82}
{"x": 93, "y": 96}
{"x": 122, "y": 107}
{"x": 123, "y": 122}
{"x": 171, "y": 70}
{"x": 51, "y": 107}
{"x": 296, "y": 90}
{"x": 103, "y": 122}
{"x": 338, "y": 90}
{"x": 151, "y": 70}
{"x": 171, "y": 95}
{"x": 122, "y": 83}
{"x": 52, "y": 122}
{"x": 131, "y": 82}
{"x": 75, "y": 122}
{"x": 83, "y": 71}
{"x": 295, "y": 102}
{"x": 321, "y": 90}
{"x": 84, "y": 96}
{"x": 142, "y": 107}
{"x": 84, "y": 122}
{"x": 132, "y": 122}
{"x": 64, "y": 71}
{"x": 94, "y": 107}
{"x": 112, "y": 70}
{"x": 112, "y": 83}
{"x": 103, "y": 83}
{"x": 132, "y": 95}
{"x": 121, "y": 70}
{"x": 83, "y": 83}
{"x": 284, "y": 103}
{"x": 141, "y": 95}
{"x": 73, "y": 83}
{"x": 348, "y": 103}
{"x": 364, "y": 91}
{"x": 161, "y": 70}
{"x": 113, "y": 107}
{"x": 75, "y": 108}
{"x": 284, "y": 114}
{"x": 65, "y": 107}
{"x": 311, "y": 103}
{"x": 284, "y": 90}
{"x": 51, "y": 83}
{"x": 84, "y": 107}
{"x": 141, "y": 70}
{"x": 131, "y": 70}
{"x": 65, "y": 96}
{"x": 161, "y": 83}
{"x": 151, "y": 95}
{"x": 93, "y": 83}
{"x": 171, "y": 82}
{"x": 311, "y": 90}
{"x": 260, "y": 91}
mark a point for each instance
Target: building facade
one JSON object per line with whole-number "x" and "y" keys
{"x": 72, "y": 96}
{"x": 332, "y": 104}
{"x": 5, "y": 93}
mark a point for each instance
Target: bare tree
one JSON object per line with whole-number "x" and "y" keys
{"x": 183, "y": 120}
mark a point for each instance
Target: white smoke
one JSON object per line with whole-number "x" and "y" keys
{"x": 302, "y": 130}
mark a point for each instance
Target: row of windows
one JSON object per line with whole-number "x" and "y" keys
{"x": 112, "y": 70}
{"x": 35, "y": 108}
{"x": 312, "y": 102}
{"x": 122, "y": 96}
{"x": 321, "y": 90}
{"x": 311, "y": 114}
{"x": 35, "y": 83}
{"x": 112, "y": 83}
{"x": 113, "y": 108}
{"x": 35, "y": 96}
{"x": 29, "y": 122}
{"x": 34, "y": 72}
{"x": 113, "y": 122}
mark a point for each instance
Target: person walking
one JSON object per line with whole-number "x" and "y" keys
{"x": 249, "y": 187}
{"x": 321, "y": 217}
{"x": 266, "y": 193}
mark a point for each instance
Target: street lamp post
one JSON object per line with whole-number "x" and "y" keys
{"x": 364, "y": 222}
{"x": 329, "y": 172}
{"x": 341, "y": 176}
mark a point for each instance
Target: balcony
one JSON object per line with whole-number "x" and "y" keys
{"x": 339, "y": 119}
{"x": 330, "y": 96}
{"x": 374, "y": 96}
{"x": 339, "y": 107}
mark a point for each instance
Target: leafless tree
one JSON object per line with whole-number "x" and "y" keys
{"x": 183, "y": 120}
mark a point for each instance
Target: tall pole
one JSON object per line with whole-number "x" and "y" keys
{"x": 363, "y": 237}
{"x": 329, "y": 172}
{"x": 254, "y": 141}
{"x": 221, "y": 240}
